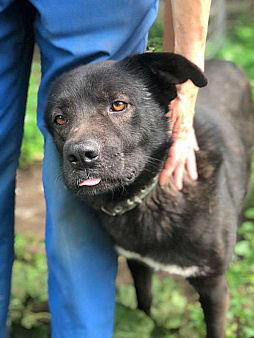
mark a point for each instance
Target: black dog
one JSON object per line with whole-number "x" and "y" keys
{"x": 108, "y": 122}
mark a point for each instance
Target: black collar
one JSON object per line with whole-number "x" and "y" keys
{"x": 131, "y": 203}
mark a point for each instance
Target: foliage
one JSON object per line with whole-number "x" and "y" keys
{"x": 241, "y": 282}
{"x": 155, "y": 37}
{"x": 239, "y": 49}
{"x": 32, "y": 145}
{"x": 131, "y": 323}
{"x": 28, "y": 307}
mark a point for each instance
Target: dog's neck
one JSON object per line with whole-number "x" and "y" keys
{"x": 117, "y": 203}
{"x": 129, "y": 203}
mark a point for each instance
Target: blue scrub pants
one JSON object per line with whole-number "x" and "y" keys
{"x": 81, "y": 259}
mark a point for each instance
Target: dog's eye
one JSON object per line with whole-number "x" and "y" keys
{"x": 118, "y": 106}
{"x": 60, "y": 120}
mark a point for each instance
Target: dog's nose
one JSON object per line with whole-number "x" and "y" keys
{"x": 84, "y": 154}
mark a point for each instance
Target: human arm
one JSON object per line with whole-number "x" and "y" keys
{"x": 188, "y": 31}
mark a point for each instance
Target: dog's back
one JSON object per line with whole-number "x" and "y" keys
{"x": 228, "y": 93}
{"x": 226, "y": 103}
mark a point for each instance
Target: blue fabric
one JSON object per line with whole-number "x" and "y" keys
{"x": 15, "y": 60}
{"x": 81, "y": 259}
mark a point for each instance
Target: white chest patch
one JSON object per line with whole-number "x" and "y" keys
{"x": 191, "y": 271}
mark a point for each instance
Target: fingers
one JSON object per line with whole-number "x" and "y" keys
{"x": 166, "y": 172}
{"x": 178, "y": 176}
{"x": 163, "y": 177}
{"x": 191, "y": 165}
{"x": 181, "y": 156}
{"x": 182, "y": 153}
{"x": 175, "y": 164}
{"x": 195, "y": 142}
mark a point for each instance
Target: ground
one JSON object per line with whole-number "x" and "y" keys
{"x": 30, "y": 205}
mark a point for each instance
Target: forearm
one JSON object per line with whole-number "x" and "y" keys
{"x": 168, "y": 37}
{"x": 189, "y": 28}
{"x": 190, "y": 24}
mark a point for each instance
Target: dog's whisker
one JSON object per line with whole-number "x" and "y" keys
{"x": 123, "y": 189}
{"x": 148, "y": 171}
{"x": 153, "y": 159}
{"x": 59, "y": 175}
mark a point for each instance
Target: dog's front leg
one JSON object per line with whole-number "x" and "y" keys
{"x": 142, "y": 276}
{"x": 214, "y": 299}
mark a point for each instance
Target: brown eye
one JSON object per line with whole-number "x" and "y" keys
{"x": 60, "y": 120}
{"x": 118, "y": 106}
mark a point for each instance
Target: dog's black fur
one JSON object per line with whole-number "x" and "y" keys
{"x": 127, "y": 149}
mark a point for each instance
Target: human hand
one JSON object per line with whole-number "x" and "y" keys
{"x": 182, "y": 152}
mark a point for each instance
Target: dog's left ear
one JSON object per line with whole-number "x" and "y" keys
{"x": 169, "y": 67}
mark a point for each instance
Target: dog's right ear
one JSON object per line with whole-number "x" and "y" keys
{"x": 169, "y": 67}
{"x": 162, "y": 71}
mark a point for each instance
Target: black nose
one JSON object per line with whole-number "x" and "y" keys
{"x": 83, "y": 154}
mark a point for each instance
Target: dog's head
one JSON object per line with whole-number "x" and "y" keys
{"x": 108, "y": 119}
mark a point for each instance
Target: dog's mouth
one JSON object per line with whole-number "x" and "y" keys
{"x": 88, "y": 182}
{"x": 95, "y": 184}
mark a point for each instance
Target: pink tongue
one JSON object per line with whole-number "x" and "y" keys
{"x": 90, "y": 181}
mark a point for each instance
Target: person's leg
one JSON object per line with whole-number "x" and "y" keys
{"x": 16, "y": 46}
{"x": 82, "y": 261}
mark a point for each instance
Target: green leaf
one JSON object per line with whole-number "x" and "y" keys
{"x": 242, "y": 248}
{"x": 131, "y": 323}
{"x": 249, "y": 213}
